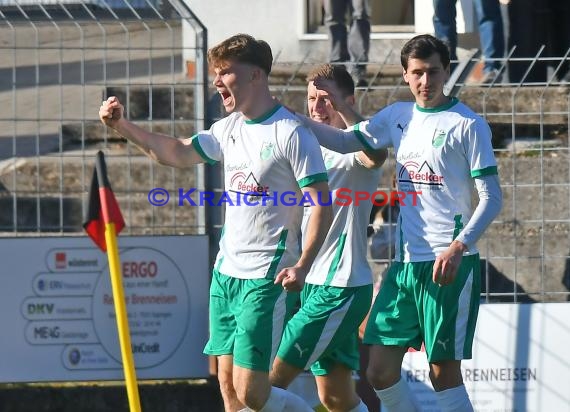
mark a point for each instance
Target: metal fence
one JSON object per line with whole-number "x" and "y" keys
{"x": 59, "y": 61}
{"x": 526, "y": 250}
{"x": 99, "y": 3}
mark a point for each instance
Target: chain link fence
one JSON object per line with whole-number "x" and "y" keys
{"x": 60, "y": 60}
{"x": 526, "y": 250}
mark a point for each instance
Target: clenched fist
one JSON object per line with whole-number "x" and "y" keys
{"x": 111, "y": 111}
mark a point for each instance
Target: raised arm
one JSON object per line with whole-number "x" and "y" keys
{"x": 344, "y": 106}
{"x": 165, "y": 149}
{"x": 372, "y": 159}
{"x": 369, "y": 158}
{"x": 338, "y": 140}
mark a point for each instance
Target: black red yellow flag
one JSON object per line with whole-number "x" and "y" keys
{"x": 104, "y": 221}
{"x": 102, "y": 208}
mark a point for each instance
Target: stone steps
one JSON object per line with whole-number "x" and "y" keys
{"x": 57, "y": 187}
{"x": 68, "y": 175}
{"x": 534, "y": 175}
{"x": 526, "y": 108}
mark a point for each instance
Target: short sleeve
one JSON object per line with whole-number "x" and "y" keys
{"x": 304, "y": 154}
{"x": 479, "y": 149}
{"x": 207, "y": 143}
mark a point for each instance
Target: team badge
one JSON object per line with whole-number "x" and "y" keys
{"x": 438, "y": 138}
{"x": 328, "y": 159}
{"x": 266, "y": 150}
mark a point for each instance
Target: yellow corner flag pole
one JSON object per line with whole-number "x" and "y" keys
{"x": 104, "y": 221}
{"x": 122, "y": 321}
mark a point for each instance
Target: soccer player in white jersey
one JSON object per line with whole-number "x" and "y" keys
{"x": 323, "y": 334}
{"x": 266, "y": 153}
{"x": 431, "y": 292}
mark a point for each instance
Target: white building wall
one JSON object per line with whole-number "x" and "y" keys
{"x": 282, "y": 24}
{"x": 275, "y": 21}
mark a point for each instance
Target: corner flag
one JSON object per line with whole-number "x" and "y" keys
{"x": 103, "y": 207}
{"x": 104, "y": 221}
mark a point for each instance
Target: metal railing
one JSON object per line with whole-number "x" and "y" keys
{"x": 526, "y": 251}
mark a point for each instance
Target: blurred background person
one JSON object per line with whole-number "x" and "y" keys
{"x": 491, "y": 32}
{"x": 349, "y": 45}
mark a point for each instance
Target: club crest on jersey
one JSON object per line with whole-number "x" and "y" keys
{"x": 438, "y": 137}
{"x": 328, "y": 159}
{"x": 266, "y": 150}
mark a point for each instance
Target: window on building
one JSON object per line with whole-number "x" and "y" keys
{"x": 386, "y": 16}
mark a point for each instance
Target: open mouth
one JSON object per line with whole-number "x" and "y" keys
{"x": 226, "y": 97}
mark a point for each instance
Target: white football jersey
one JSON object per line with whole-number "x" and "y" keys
{"x": 438, "y": 152}
{"x": 266, "y": 162}
{"x": 342, "y": 259}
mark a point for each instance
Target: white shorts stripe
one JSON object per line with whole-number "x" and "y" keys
{"x": 464, "y": 306}
{"x": 278, "y": 324}
{"x": 331, "y": 327}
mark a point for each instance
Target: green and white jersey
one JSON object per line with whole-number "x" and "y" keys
{"x": 342, "y": 261}
{"x": 266, "y": 162}
{"x": 438, "y": 152}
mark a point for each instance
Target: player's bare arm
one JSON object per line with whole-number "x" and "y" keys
{"x": 372, "y": 159}
{"x": 162, "y": 148}
{"x": 343, "y": 105}
{"x": 293, "y": 278}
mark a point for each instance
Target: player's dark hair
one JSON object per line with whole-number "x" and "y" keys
{"x": 422, "y": 47}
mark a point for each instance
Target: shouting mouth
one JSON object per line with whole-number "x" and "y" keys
{"x": 226, "y": 97}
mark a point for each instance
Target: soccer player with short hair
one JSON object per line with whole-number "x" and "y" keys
{"x": 431, "y": 293}
{"x": 323, "y": 334}
{"x": 266, "y": 152}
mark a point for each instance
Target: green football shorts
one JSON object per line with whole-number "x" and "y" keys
{"x": 410, "y": 309}
{"x": 246, "y": 320}
{"x": 324, "y": 332}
